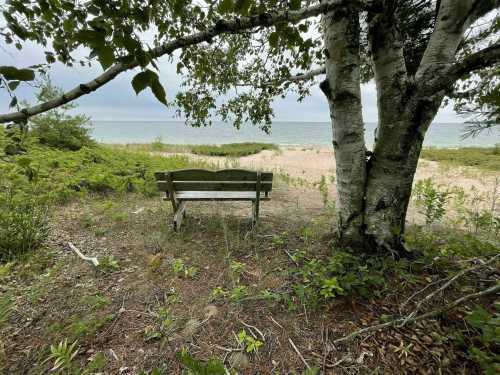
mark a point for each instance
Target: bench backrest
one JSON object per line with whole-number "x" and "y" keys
{"x": 223, "y": 180}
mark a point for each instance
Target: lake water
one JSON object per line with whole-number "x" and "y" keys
{"x": 283, "y": 133}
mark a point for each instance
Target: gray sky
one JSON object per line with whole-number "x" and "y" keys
{"x": 117, "y": 100}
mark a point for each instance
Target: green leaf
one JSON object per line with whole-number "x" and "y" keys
{"x": 226, "y": 6}
{"x": 294, "y": 4}
{"x": 142, "y": 80}
{"x": 105, "y": 55}
{"x": 13, "y": 85}
{"x": 274, "y": 39}
{"x": 158, "y": 91}
{"x": 242, "y": 6}
{"x": 148, "y": 78}
{"x": 12, "y": 73}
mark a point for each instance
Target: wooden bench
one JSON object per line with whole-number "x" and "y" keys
{"x": 186, "y": 185}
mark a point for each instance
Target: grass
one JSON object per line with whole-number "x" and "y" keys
{"x": 478, "y": 157}
{"x": 229, "y": 150}
{"x": 158, "y": 291}
{"x": 232, "y": 149}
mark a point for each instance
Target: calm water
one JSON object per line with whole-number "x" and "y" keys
{"x": 283, "y": 133}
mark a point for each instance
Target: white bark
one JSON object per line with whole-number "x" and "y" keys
{"x": 342, "y": 89}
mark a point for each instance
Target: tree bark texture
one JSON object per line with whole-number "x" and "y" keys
{"x": 374, "y": 193}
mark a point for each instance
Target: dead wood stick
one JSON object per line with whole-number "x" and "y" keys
{"x": 298, "y": 353}
{"x": 92, "y": 260}
{"x": 403, "y": 321}
{"x": 448, "y": 283}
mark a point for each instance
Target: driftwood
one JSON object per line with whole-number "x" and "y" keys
{"x": 92, "y": 260}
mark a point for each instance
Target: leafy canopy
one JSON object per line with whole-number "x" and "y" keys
{"x": 235, "y": 76}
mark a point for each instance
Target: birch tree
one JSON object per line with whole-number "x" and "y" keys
{"x": 236, "y": 56}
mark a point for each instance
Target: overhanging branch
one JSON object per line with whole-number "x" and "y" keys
{"x": 221, "y": 27}
{"x": 306, "y": 76}
{"x": 476, "y": 61}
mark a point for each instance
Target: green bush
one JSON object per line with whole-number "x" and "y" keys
{"x": 232, "y": 149}
{"x": 24, "y": 224}
{"x": 56, "y": 128}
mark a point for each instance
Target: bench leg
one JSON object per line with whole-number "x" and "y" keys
{"x": 179, "y": 215}
{"x": 255, "y": 213}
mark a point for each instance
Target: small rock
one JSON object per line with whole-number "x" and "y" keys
{"x": 210, "y": 311}
{"x": 239, "y": 361}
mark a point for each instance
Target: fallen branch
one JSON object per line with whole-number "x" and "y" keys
{"x": 404, "y": 321}
{"x": 448, "y": 283}
{"x": 93, "y": 260}
{"x": 298, "y": 353}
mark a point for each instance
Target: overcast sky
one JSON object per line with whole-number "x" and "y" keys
{"x": 117, "y": 100}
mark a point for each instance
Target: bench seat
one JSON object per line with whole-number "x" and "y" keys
{"x": 218, "y": 196}
{"x": 186, "y": 185}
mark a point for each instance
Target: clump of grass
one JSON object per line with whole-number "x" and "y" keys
{"x": 232, "y": 149}
{"x": 486, "y": 158}
{"x": 24, "y": 224}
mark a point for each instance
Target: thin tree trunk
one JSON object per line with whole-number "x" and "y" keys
{"x": 342, "y": 90}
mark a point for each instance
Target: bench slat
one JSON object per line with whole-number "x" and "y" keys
{"x": 215, "y": 186}
{"x": 222, "y": 175}
{"x": 218, "y": 196}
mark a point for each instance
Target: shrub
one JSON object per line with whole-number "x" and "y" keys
{"x": 56, "y": 128}
{"x": 431, "y": 200}
{"x": 24, "y": 224}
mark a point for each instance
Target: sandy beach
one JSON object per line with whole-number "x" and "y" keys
{"x": 311, "y": 163}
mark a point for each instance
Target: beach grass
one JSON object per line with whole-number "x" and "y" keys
{"x": 485, "y": 158}
{"x": 233, "y": 149}
{"x": 228, "y": 150}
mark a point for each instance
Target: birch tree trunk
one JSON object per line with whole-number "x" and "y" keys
{"x": 342, "y": 90}
{"x": 374, "y": 193}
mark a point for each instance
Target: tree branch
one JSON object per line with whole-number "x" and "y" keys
{"x": 479, "y": 60}
{"x": 306, "y": 76}
{"x": 403, "y": 321}
{"x": 448, "y": 33}
{"x": 221, "y": 27}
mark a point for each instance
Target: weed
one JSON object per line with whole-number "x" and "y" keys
{"x": 323, "y": 190}
{"x": 24, "y": 223}
{"x": 217, "y": 293}
{"x": 481, "y": 338}
{"x": 63, "y": 355}
{"x": 248, "y": 342}
{"x": 237, "y": 269}
{"x": 239, "y": 293}
{"x": 341, "y": 274}
{"x": 88, "y": 326}
{"x": 196, "y": 367}
{"x": 95, "y": 302}
{"x": 108, "y": 264}
{"x": 181, "y": 269}
{"x": 431, "y": 200}
{"x": 5, "y": 308}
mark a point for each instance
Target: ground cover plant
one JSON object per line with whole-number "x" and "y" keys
{"x": 219, "y": 297}
{"x": 486, "y": 158}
